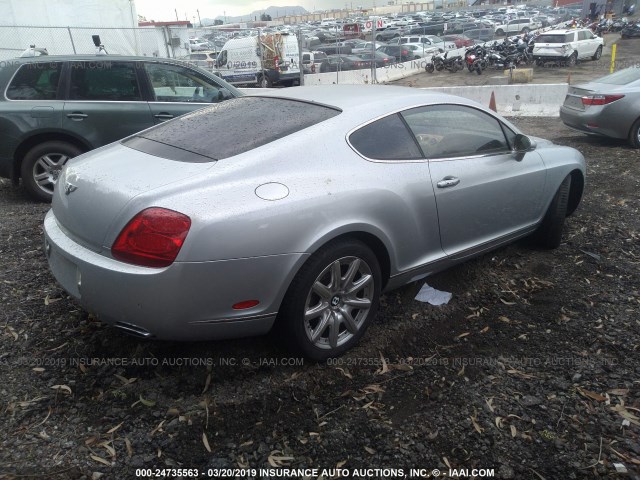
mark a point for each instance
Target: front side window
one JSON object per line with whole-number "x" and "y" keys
{"x": 104, "y": 80}
{"x": 385, "y": 139}
{"x": 35, "y": 81}
{"x": 175, "y": 83}
{"x": 452, "y": 131}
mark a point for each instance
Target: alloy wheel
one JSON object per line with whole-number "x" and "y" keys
{"x": 338, "y": 303}
{"x": 46, "y": 170}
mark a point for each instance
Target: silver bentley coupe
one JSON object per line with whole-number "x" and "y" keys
{"x": 295, "y": 209}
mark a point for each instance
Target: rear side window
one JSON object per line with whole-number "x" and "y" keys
{"x": 114, "y": 81}
{"x": 386, "y": 139}
{"x": 35, "y": 81}
{"x": 236, "y": 126}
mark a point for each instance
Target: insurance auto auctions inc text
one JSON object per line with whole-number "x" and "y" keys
{"x": 368, "y": 473}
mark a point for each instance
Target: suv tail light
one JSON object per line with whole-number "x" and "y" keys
{"x": 600, "y": 99}
{"x": 152, "y": 238}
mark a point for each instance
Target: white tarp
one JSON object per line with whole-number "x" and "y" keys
{"x": 69, "y": 13}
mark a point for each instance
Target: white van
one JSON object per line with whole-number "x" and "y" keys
{"x": 260, "y": 61}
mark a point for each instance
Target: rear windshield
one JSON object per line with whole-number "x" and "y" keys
{"x": 560, "y": 38}
{"x": 234, "y": 127}
{"x": 621, "y": 77}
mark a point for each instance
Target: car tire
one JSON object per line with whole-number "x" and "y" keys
{"x": 379, "y": 38}
{"x": 265, "y": 82}
{"x": 429, "y": 68}
{"x": 499, "y": 32}
{"x": 598, "y": 54}
{"x": 549, "y": 233}
{"x": 41, "y": 167}
{"x": 315, "y": 289}
{"x": 572, "y": 60}
{"x": 525, "y": 30}
{"x": 634, "y": 134}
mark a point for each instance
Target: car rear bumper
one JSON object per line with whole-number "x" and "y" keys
{"x": 185, "y": 301}
{"x": 591, "y": 121}
{"x": 550, "y": 58}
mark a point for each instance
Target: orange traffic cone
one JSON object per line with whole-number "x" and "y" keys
{"x": 569, "y": 79}
{"x": 492, "y": 102}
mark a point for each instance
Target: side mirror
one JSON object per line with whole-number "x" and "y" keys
{"x": 522, "y": 143}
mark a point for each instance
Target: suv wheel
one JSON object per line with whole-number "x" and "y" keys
{"x": 572, "y": 60}
{"x": 598, "y": 54}
{"x": 525, "y": 30}
{"x": 42, "y": 165}
{"x": 500, "y": 32}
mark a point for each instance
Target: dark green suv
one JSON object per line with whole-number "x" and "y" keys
{"x": 56, "y": 107}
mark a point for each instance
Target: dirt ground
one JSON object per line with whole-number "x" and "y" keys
{"x": 531, "y": 370}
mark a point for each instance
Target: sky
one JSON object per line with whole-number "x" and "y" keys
{"x": 163, "y": 10}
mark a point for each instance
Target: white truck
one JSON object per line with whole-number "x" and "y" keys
{"x": 264, "y": 60}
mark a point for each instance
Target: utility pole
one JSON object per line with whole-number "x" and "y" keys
{"x": 199, "y": 20}
{"x": 176, "y": 10}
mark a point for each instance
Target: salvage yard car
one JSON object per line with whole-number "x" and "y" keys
{"x": 57, "y": 107}
{"x": 567, "y": 46}
{"x": 194, "y": 235}
{"x": 606, "y": 107}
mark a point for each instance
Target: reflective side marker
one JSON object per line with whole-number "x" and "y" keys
{"x": 245, "y": 304}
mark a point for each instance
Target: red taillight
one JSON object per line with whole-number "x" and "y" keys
{"x": 405, "y": 52}
{"x": 600, "y": 99}
{"x": 276, "y": 63}
{"x": 152, "y": 238}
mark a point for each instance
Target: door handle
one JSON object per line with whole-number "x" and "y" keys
{"x": 163, "y": 116}
{"x": 448, "y": 182}
{"x": 77, "y": 116}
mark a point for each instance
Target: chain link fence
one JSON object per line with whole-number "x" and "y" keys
{"x": 237, "y": 56}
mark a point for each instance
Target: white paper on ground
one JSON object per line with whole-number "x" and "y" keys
{"x": 430, "y": 295}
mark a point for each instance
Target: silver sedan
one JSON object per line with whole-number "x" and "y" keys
{"x": 296, "y": 208}
{"x": 606, "y": 107}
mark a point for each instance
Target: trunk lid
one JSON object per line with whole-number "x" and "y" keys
{"x": 574, "y": 97}
{"x": 94, "y": 189}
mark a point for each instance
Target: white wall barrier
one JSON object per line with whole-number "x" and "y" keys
{"x": 543, "y": 100}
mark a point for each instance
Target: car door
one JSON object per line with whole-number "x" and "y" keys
{"x": 388, "y": 143}
{"x": 35, "y": 105}
{"x": 484, "y": 192}
{"x": 589, "y": 43}
{"x": 178, "y": 89}
{"x": 104, "y": 101}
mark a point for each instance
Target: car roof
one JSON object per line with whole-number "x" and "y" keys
{"x": 375, "y": 100}
{"x": 93, "y": 58}
{"x": 562, "y": 31}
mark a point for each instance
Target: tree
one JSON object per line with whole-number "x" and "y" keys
{"x": 265, "y": 18}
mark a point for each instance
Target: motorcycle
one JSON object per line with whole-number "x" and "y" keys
{"x": 443, "y": 62}
{"x": 475, "y": 59}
